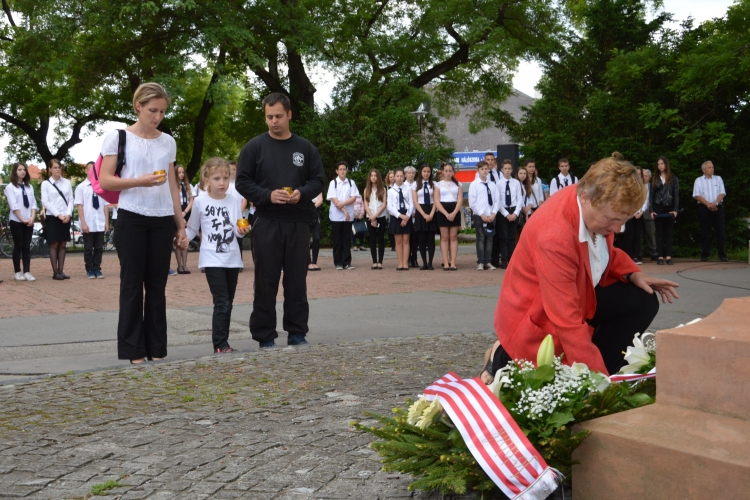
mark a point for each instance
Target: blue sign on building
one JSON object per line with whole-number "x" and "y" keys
{"x": 469, "y": 159}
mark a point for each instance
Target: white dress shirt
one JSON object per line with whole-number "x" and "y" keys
{"x": 420, "y": 193}
{"x": 565, "y": 181}
{"x": 144, "y": 156}
{"x": 493, "y": 176}
{"x": 516, "y": 195}
{"x": 448, "y": 191}
{"x": 53, "y": 203}
{"x": 94, "y": 217}
{"x": 598, "y": 251}
{"x": 14, "y": 196}
{"x": 393, "y": 200}
{"x": 478, "y": 199}
{"x": 375, "y": 203}
{"x": 538, "y": 190}
{"x": 709, "y": 189}
{"x": 342, "y": 191}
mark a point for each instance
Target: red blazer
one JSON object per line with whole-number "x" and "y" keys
{"x": 548, "y": 289}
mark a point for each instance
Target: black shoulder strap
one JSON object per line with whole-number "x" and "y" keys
{"x": 58, "y": 191}
{"x": 120, "y": 151}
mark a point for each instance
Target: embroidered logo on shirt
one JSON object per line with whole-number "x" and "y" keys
{"x": 298, "y": 159}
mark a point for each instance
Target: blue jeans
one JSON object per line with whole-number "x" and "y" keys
{"x": 484, "y": 242}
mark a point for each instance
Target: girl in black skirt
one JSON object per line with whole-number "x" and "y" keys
{"x": 57, "y": 198}
{"x": 400, "y": 206}
{"x": 423, "y": 197}
{"x": 448, "y": 198}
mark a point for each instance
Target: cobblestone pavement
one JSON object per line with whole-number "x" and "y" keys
{"x": 80, "y": 295}
{"x": 268, "y": 425}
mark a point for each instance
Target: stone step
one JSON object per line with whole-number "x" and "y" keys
{"x": 663, "y": 452}
{"x": 705, "y": 366}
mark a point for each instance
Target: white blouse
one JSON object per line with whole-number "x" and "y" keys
{"x": 375, "y": 203}
{"x": 420, "y": 193}
{"x": 53, "y": 203}
{"x": 448, "y": 191}
{"x": 144, "y": 156}
{"x": 538, "y": 190}
{"x": 394, "y": 200}
{"x": 14, "y": 196}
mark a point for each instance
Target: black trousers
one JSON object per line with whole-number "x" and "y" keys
{"x": 664, "y": 230}
{"x": 484, "y": 242}
{"x": 633, "y": 232}
{"x": 144, "y": 247}
{"x": 707, "y": 218}
{"x": 496, "y": 246}
{"x": 622, "y": 310}
{"x": 426, "y": 242}
{"x": 93, "y": 248}
{"x": 507, "y": 231}
{"x": 222, "y": 282}
{"x": 413, "y": 246}
{"x": 342, "y": 243}
{"x": 377, "y": 239}
{"x": 21, "y": 234}
{"x": 278, "y": 245}
{"x": 315, "y": 244}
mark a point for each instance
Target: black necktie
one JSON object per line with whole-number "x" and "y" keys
{"x": 492, "y": 176}
{"x": 184, "y": 194}
{"x": 426, "y": 195}
{"x": 25, "y": 198}
{"x": 489, "y": 195}
{"x": 566, "y": 182}
{"x": 507, "y": 193}
{"x": 95, "y": 202}
{"x": 401, "y": 202}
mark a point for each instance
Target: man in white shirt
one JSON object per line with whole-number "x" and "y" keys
{"x": 563, "y": 179}
{"x": 342, "y": 193}
{"x": 511, "y": 203}
{"x": 92, "y": 212}
{"x": 709, "y": 191}
{"x": 493, "y": 175}
{"x": 484, "y": 202}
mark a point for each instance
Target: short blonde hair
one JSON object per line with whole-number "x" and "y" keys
{"x": 211, "y": 165}
{"x": 614, "y": 181}
{"x": 148, "y": 91}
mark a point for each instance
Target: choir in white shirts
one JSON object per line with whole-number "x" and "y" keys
{"x": 342, "y": 191}
{"x": 561, "y": 181}
{"x": 479, "y": 197}
{"x": 14, "y": 196}
{"x": 54, "y": 203}
{"x": 512, "y": 188}
{"x": 398, "y": 205}
{"x": 709, "y": 189}
{"x": 95, "y": 218}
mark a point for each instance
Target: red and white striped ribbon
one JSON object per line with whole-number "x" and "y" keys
{"x": 633, "y": 377}
{"x": 494, "y": 438}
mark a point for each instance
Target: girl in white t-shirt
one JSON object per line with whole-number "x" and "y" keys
{"x": 449, "y": 196}
{"x": 215, "y": 216}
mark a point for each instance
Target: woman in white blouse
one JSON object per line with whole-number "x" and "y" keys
{"x": 375, "y": 205}
{"x": 449, "y": 196}
{"x": 57, "y": 199}
{"x": 148, "y": 218}
{"x": 22, "y": 204}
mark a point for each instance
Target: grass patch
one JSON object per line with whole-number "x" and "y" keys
{"x": 188, "y": 399}
{"x": 103, "y": 488}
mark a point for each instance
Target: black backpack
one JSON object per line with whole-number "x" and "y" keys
{"x": 559, "y": 186}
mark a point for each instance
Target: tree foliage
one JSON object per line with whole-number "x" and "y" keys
{"x": 640, "y": 88}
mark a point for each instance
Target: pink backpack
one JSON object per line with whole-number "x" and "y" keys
{"x": 109, "y": 196}
{"x": 359, "y": 208}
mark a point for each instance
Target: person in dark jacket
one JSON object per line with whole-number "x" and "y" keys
{"x": 665, "y": 204}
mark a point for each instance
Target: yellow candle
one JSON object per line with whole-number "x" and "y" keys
{"x": 243, "y": 223}
{"x": 288, "y": 190}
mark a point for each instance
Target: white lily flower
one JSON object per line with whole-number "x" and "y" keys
{"x": 636, "y": 356}
{"x": 579, "y": 368}
{"x": 501, "y": 380}
{"x": 601, "y": 382}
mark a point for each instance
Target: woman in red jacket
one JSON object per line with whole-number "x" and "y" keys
{"x": 566, "y": 278}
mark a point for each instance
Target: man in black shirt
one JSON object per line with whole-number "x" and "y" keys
{"x": 268, "y": 164}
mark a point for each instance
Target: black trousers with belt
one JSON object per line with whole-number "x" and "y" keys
{"x": 341, "y": 234}
{"x": 280, "y": 245}
{"x": 144, "y": 247}
{"x": 707, "y": 218}
{"x": 622, "y": 310}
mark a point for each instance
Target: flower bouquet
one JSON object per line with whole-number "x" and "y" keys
{"x": 434, "y": 442}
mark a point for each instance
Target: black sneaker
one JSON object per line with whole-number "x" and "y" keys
{"x": 296, "y": 340}
{"x": 267, "y": 345}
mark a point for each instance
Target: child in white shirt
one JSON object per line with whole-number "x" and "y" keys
{"x": 216, "y": 215}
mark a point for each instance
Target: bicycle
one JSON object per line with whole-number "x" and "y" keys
{"x": 109, "y": 240}
{"x": 6, "y": 240}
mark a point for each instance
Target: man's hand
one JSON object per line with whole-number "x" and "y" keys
{"x": 512, "y": 217}
{"x": 84, "y": 228}
{"x": 296, "y": 196}
{"x": 485, "y": 219}
{"x": 280, "y": 197}
{"x": 650, "y": 284}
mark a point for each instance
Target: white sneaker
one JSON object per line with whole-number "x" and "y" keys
{"x": 19, "y": 277}
{"x": 480, "y": 267}
{"x": 489, "y": 267}
{"x": 349, "y": 267}
{"x": 28, "y": 277}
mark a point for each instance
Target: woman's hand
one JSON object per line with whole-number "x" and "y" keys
{"x": 450, "y": 216}
{"x": 653, "y": 214}
{"x": 404, "y": 222}
{"x": 243, "y": 230}
{"x": 428, "y": 218}
{"x": 674, "y": 214}
{"x": 181, "y": 240}
{"x": 150, "y": 180}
